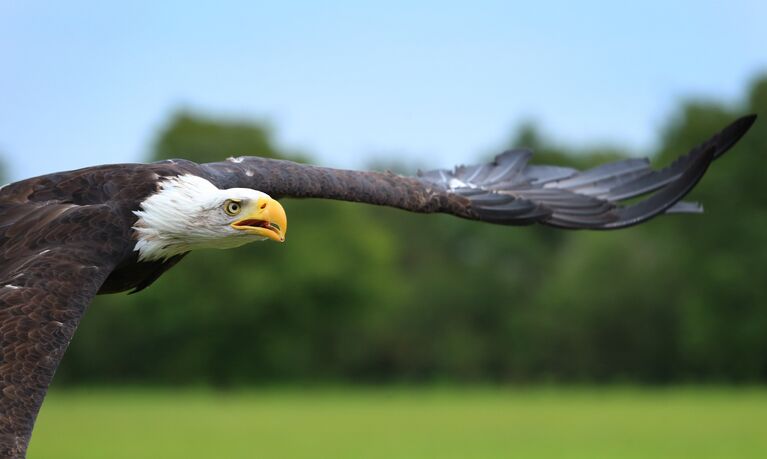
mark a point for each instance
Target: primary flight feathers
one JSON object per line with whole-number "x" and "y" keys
{"x": 67, "y": 236}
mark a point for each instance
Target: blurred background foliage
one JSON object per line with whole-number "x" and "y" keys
{"x": 374, "y": 295}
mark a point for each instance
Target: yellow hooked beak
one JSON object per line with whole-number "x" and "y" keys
{"x": 265, "y": 218}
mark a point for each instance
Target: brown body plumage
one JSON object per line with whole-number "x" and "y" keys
{"x": 68, "y": 236}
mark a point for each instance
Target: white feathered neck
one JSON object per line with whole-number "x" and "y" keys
{"x": 187, "y": 213}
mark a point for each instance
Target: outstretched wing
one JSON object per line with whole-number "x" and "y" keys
{"x": 507, "y": 191}
{"x": 53, "y": 259}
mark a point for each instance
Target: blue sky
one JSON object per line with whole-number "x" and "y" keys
{"x": 427, "y": 83}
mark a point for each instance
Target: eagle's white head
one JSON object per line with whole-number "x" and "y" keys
{"x": 188, "y": 212}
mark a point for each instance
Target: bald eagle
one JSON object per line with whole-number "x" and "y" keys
{"x": 68, "y": 236}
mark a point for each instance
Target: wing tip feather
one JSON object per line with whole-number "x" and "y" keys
{"x": 735, "y": 131}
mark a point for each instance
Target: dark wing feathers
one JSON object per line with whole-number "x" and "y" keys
{"x": 506, "y": 191}
{"x": 54, "y": 258}
{"x": 280, "y": 178}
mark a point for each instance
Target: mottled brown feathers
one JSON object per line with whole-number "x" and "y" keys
{"x": 50, "y": 272}
{"x": 67, "y": 236}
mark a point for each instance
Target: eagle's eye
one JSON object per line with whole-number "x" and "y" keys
{"x": 232, "y": 207}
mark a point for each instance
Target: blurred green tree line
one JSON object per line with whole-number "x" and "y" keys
{"x": 367, "y": 294}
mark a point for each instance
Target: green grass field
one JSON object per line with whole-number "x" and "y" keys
{"x": 404, "y": 423}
